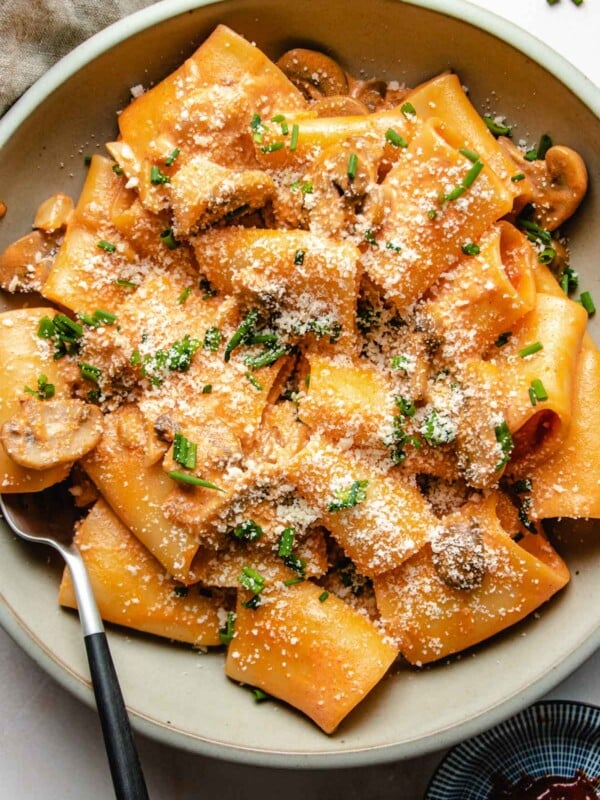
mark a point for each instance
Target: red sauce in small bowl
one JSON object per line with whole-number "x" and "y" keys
{"x": 548, "y": 787}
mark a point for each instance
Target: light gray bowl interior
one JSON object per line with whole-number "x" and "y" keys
{"x": 175, "y": 694}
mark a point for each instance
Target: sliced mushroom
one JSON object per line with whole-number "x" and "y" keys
{"x": 315, "y": 74}
{"x": 558, "y": 183}
{"x": 26, "y": 263}
{"x": 371, "y": 93}
{"x": 46, "y": 433}
{"x": 341, "y": 193}
{"x": 339, "y": 105}
{"x": 202, "y": 193}
{"x": 458, "y": 555}
{"x": 54, "y": 213}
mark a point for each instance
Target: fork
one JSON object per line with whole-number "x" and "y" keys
{"x": 48, "y": 517}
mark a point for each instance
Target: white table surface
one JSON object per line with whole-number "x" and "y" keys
{"x": 50, "y": 744}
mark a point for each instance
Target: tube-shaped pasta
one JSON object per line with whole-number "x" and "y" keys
{"x": 348, "y": 400}
{"x": 93, "y": 256}
{"x": 135, "y": 490}
{"x": 25, "y": 357}
{"x": 227, "y": 82}
{"x": 485, "y": 294}
{"x": 321, "y": 656}
{"x": 314, "y": 135}
{"x": 437, "y": 200}
{"x": 443, "y": 97}
{"x": 430, "y": 619}
{"x": 384, "y": 528}
{"x": 130, "y": 585}
{"x": 567, "y": 484}
{"x": 312, "y": 280}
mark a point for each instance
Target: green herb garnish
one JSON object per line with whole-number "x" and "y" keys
{"x": 350, "y": 497}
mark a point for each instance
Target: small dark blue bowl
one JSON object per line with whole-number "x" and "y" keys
{"x": 549, "y": 738}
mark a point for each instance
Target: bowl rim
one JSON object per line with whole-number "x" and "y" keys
{"x": 483, "y": 741}
{"x": 14, "y": 117}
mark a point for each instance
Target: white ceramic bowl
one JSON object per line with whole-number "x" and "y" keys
{"x": 182, "y": 697}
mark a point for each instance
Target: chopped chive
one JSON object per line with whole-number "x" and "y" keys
{"x": 408, "y": 110}
{"x": 192, "y": 480}
{"x": 252, "y": 580}
{"x": 389, "y": 245}
{"x": 531, "y": 155}
{"x": 106, "y": 246}
{"x": 286, "y": 543}
{"x": 399, "y": 362}
{"x": 253, "y": 602}
{"x": 534, "y": 232}
{"x": 535, "y": 347}
{"x": 299, "y": 257}
{"x": 293, "y": 581}
{"x": 87, "y": 160}
{"x": 248, "y": 531}
{"x": 547, "y": 255}
{"x": 522, "y": 486}
{"x": 242, "y": 334}
{"x": 136, "y": 358}
{"x": 370, "y": 238}
{"x": 505, "y": 440}
{"x": 44, "y": 391}
{"x": 117, "y": 170}
{"x": 294, "y": 137}
{"x": 212, "y": 339}
{"x": 305, "y": 188}
{"x": 89, "y": 372}
{"x": 273, "y": 147}
{"x": 432, "y": 213}
{"x": 520, "y": 176}
{"x": 227, "y": 631}
{"x": 538, "y": 390}
{"x": 352, "y": 166}
{"x": 254, "y": 381}
{"x": 497, "y": 128}
{"x": 184, "y": 451}
{"x": 350, "y": 497}
{"x": 544, "y": 145}
{"x": 323, "y": 596}
{"x": 503, "y": 339}
{"x": 405, "y": 406}
{"x": 470, "y": 154}
{"x": 257, "y": 128}
{"x": 126, "y": 284}
{"x": 169, "y": 161}
{"x": 393, "y": 137}
{"x": 169, "y": 240}
{"x": 281, "y": 120}
{"x": 181, "y": 591}
{"x": 569, "y": 280}
{"x": 208, "y": 291}
{"x": 45, "y": 328}
{"x": 266, "y": 358}
{"x": 471, "y": 249}
{"x": 465, "y": 184}
{"x": 588, "y": 303}
{"x": 577, "y": 2}
{"x": 184, "y": 295}
{"x": 158, "y": 177}
{"x": 260, "y": 696}
{"x": 207, "y": 388}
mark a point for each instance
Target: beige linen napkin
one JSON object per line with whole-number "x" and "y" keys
{"x": 36, "y": 33}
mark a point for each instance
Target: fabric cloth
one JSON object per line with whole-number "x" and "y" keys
{"x": 34, "y": 34}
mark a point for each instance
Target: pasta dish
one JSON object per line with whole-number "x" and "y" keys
{"x": 311, "y": 354}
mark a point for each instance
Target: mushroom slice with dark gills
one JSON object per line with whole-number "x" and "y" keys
{"x": 46, "y": 433}
{"x": 458, "y": 555}
{"x": 314, "y": 73}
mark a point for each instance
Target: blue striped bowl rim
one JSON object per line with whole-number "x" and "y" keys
{"x": 554, "y": 737}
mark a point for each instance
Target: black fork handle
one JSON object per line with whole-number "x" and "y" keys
{"x": 123, "y": 758}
